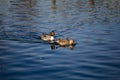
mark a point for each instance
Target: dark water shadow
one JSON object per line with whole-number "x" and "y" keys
{"x": 54, "y": 46}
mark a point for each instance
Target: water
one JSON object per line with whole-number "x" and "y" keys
{"x": 95, "y": 26}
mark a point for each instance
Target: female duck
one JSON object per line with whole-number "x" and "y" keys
{"x": 48, "y": 37}
{"x": 64, "y": 42}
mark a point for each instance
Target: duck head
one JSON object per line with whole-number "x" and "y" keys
{"x": 52, "y": 33}
{"x": 71, "y": 41}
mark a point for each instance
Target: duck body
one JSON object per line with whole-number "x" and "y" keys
{"x": 62, "y": 42}
{"x": 48, "y": 37}
{"x": 65, "y": 42}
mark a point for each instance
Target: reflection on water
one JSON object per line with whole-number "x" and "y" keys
{"x": 54, "y": 46}
{"x": 94, "y": 24}
{"x": 53, "y": 4}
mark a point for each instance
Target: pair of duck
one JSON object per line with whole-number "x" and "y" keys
{"x": 61, "y": 41}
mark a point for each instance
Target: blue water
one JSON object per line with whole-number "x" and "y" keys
{"x": 95, "y": 28}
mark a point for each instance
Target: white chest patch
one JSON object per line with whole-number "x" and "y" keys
{"x": 52, "y": 38}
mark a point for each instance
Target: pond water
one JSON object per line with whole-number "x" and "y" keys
{"x": 94, "y": 25}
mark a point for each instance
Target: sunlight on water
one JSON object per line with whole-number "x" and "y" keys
{"x": 93, "y": 24}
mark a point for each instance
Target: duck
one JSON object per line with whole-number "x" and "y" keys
{"x": 65, "y": 42}
{"x": 48, "y": 37}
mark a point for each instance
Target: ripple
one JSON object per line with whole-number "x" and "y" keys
{"x": 95, "y": 28}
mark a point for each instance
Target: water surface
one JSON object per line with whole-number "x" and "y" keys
{"x": 95, "y": 26}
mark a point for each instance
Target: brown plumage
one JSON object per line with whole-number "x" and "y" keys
{"x": 48, "y": 37}
{"x": 63, "y": 42}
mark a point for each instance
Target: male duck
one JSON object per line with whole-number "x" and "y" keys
{"x": 64, "y": 42}
{"x": 48, "y": 37}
